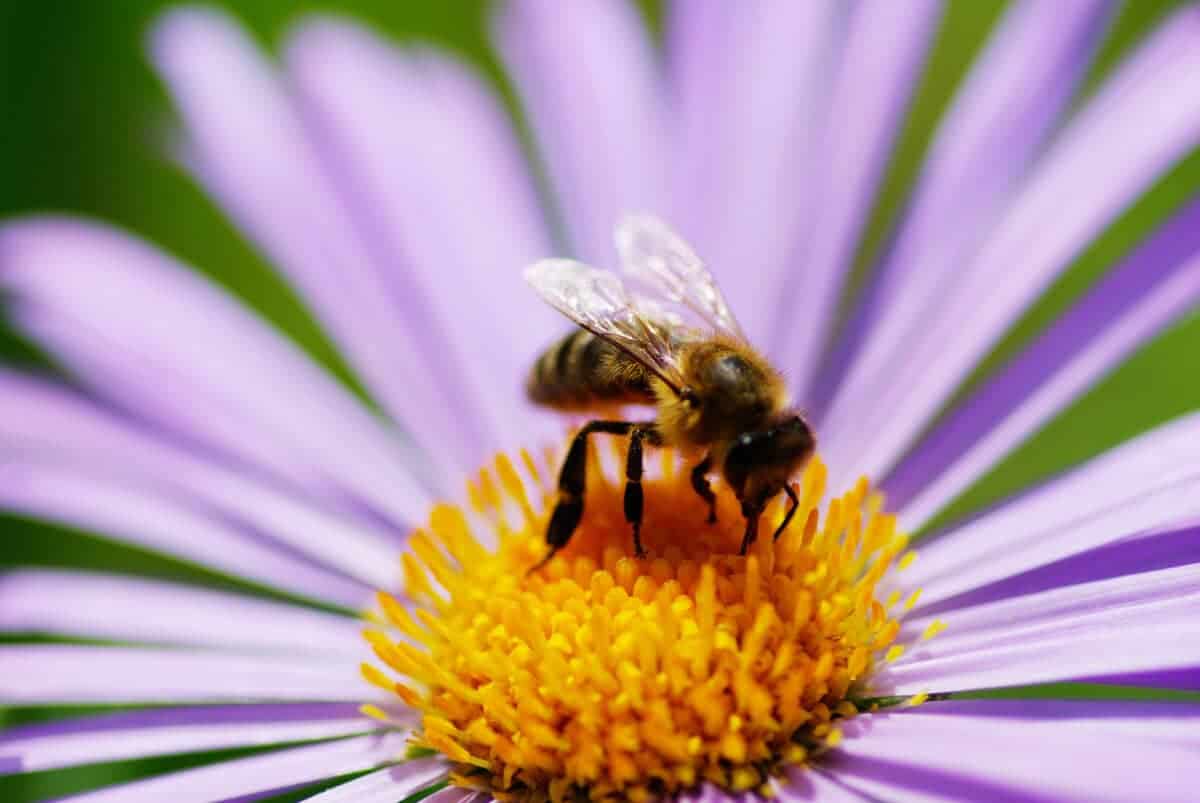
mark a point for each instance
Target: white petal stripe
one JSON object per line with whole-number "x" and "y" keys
{"x": 1159, "y": 597}
{"x": 119, "y": 608}
{"x": 38, "y": 752}
{"x": 93, "y": 502}
{"x": 49, "y": 674}
{"x": 1068, "y": 760}
{"x": 1131, "y": 132}
{"x": 1092, "y": 650}
{"x": 1173, "y": 298}
{"x": 282, "y": 769}
{"x": 1144, "y": 484}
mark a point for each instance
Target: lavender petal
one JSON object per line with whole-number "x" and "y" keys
{"x": 388, "y": 785}
{"x": 49, "y": 674}
{"x": 1156, "y": 285}
{"x": 54, "y": 425}
{"x": 417, "y": 139}
{"x": 1138, "y": 124}
{"x": 1164, "y": 596}
{"x": 94, "y": 502}
{"x": 810, "y": 785}
{"x": 750, "y": 123}
{"x": 886, "y": 45}
{"x": 131, "y": 609}
{"x": 989, "y": 757}
{"x": 1093, "y": 651}
{"x": 1148, "y": 484}
{"x": 1146, "y": 552}
{"x": 196, "y": 362}
{"x": 602, "y": 134}
{"x": 247, "y": 145}
{"x": 154, "y": 732}
{"x": 270, "y": 772}
{"x": 1011, "y": 98}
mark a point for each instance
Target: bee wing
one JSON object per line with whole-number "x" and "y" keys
{"x": 598, "y": 301}
{"x": 655, "y": 255}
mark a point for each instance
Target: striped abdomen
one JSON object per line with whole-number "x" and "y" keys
{"x": 582, "y": 369}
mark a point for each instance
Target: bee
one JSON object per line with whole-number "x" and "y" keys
{"x": 666, "y": 339}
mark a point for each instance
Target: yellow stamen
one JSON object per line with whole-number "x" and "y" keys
{"x": 605, "y": 677}
{"x": 935, "y": 627}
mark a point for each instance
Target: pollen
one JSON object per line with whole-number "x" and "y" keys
{"x": 601, "y": 676}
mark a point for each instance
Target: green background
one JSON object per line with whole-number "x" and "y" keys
{"x": 82, "y": 116}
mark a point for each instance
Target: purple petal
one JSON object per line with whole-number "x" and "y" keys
{"x": 752, "y": 105}
{"x": 897, "y": 782}
{"x": 49, "y": 674}
{"x": 390, "y": 784}
{"x": 885, "y": 48}
{"x": 1157, "y": 284}
{"x": 1011, "y": 99}
{"x": 129, "y": 609}
{"x": 197, "y": 362}
{"x": 155, "y": 732}
{"x": 586, "y": 76}
{"x": 279, "y": 770}
{"x": 1151, "y": 483}
{"x": 247, "y": 145}
{"x": 1093, "y": 650}
{"x": 1176, "y": 546}
{"x": 984, "y": 757}
{"x": 812, "y": 785}
{"x": 426, "y": 152}
{"x": 457, "y": 794}
{"x": 95, "y": 502}
{"x": 1140, "y": 122}
{"x": 1168, "y": 595}
{"x": 57, "y": 425}
{"x": 1155, "y": 720}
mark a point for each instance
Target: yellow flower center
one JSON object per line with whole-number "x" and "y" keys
{"x": 603, "y": 676}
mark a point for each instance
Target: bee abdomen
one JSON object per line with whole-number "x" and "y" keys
{"x": 581, "y": 369}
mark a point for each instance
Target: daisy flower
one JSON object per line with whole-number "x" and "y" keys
{"x": 398, "y": 644}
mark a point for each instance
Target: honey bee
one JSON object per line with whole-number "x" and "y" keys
{"x": 667, "y": 340}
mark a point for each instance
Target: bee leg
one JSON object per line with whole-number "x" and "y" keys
{"x": 634, "y": 498}
{"x": 751, "y": 512}
{"x": 572, "y": 480}
{"x": 787, "y": 519}
{"x": 701, "y": 486}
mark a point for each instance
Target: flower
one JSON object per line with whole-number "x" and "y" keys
{"x": 389, "y": 189}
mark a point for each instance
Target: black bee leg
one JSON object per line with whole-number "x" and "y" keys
{"x": 787, "y": 519}
{"x": 751, "y": 512}
{"x": 572, "y": 480}
{"x": 633, "y": 483}
{"x": 701, "y": 486}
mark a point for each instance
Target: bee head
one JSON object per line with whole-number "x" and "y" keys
{"x": 759, "y": 464}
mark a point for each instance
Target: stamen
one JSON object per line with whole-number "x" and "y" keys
{"x": 601, "y": 676}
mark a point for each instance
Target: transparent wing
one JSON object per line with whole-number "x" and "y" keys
{"x": 598, "y": 301}
{"x": 658, "y": 257}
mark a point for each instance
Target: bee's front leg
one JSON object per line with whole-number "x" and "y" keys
{"x": 787, "y": 519}
{"x": 572, "y": 482}
{"x": 752, "y": 512}
{"x": 702, "y": 488}
{"x": 634, "y": 499}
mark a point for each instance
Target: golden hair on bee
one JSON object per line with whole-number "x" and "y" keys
{"x": 714, "y": 394}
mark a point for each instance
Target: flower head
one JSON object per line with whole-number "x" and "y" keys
{"x": 389, "y": 189}
{"x": 604, "y": 676}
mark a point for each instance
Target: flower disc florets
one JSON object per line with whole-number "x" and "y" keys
{"x": 602, "y": 676}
